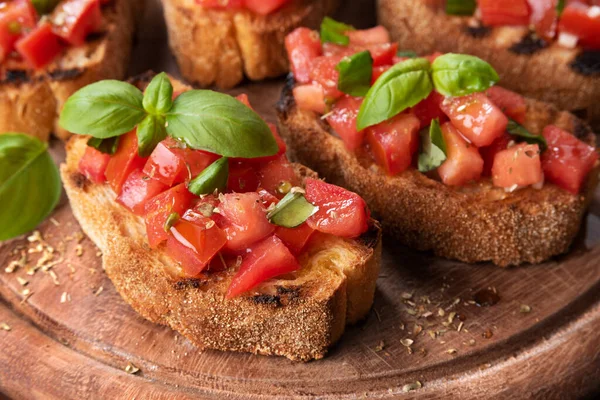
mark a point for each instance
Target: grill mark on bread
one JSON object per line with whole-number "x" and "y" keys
{"x": 188, "y": 284}
{"x": 80, "y": 181}
{"x": 66, "y": 74}
{"x": 16, "y": 76}
{"x": 587, "y": 63}
{"x": 477, "y": 31}
{"x": 267, "y": 299}
{"x": 528, "y": 45}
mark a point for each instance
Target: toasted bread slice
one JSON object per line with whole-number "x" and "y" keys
{"x": 474, "y": 223}
{"x": 221, "y": 46}
{"x": 31, "y": 101}
{"x": 568, "y": 78}
{"x": 298, "y": 316}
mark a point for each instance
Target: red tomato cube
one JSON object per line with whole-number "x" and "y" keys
{"x": 295, "y": 238}
{"x": 394, "y": 142}
{"x": 242, "y": 177}
{"x": 429, "y": 109}
{"x": 264, "y": 7}
{"x": 74, "y": 20}
{"x": 16, "y": 18}
{"x": 310, "y": 97}
{"x": 223, "y": 4}
{"x": 568, "y": 160}
{"x": 476, "y": 117}
{"x": 363, "y": 37}
{"x": 517, "y": 166}
{"x": 124, "y": 161}
{"x": 164, "y": 164}
{"x": 324, "y": 73}
{"x": 378, "y": 71}
{"x": 578, "y": 19}
{"x": 40, "y": 46}
{"x": 93, "y": 165}
{"x": 505, "y": 12}
{"x": 303, "y": 45}
{"x": 383, "y": 54}
{"x": 274, "y": 174}
{"x": 341, "y": 212}
{"x": 544, "y": 17}
{"x": 245, "y": 220}
{"x": 463, "y": 163}
{"x": 159, "y": 208}
{"x": 511, "y": 103}
{"x": 266, "y": 260}
{"x": 342, "y": 119}
{"x": 137, "y": 190}
{"x": 488, "y": 153}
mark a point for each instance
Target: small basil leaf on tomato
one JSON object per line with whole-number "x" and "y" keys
{"x": 171, "y": 220}
{"x": 460, "y": 7}
{"x": 433, "y": 148}
{"x": 461, "y": 74}
{"x": 44, "y": 7}
{"x": 218, "y": 123}
{"x": 103, "y": 109}
{"x": 406, "y": 53}
{"x": 333, "y": 31}
{"x": 355, "y": 74}
{"x": 150, "y": 132}
{"x": 158, "y": 96}
{"x": 214, "y": 177}
{"x": 107, "y": 146}
{"x": 400, "y": 87}
{"x": 291, "y": 211}
{"x": 29, "y": 184}
{"x": 518, "y": 130}
{"x": 560, "y": 7}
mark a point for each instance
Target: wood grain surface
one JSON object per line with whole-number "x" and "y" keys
{"x": 72, "y": 337}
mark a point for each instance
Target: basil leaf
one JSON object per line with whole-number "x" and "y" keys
{"x": 218, "y": 123}
{"x": 460, "y": 7}
{"x": 103, "y": 109}
{"x": 171, "y": 220}
{"x": 333, "y": 31}
{"x": 291, "y": 211}
{"x": 29, "y": 184}
{"x": 106, "y": 146}
{"x": 433, "y": 148}
{"x": 44, "y": 6}
{"x": 516, "y": 129}
{"x": 400, "y": 87}
{"x": 214, "y": 177}
{"x": 158, "y": 97}
{"x": 461, "y": 74}
{"x": 149, "y": 133}
{"x": 355, "y": 74}
{"x": 406, "y": 53}
{"x": 560, "y": 7}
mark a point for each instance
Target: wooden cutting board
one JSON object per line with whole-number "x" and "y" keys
{"x": 66, "y": 333}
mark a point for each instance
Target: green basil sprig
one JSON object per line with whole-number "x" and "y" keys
{"x": 355, "y": 74}
{"x": 214, "y": 177}
{"x": 333, "y": 31}
{"x": 518, "y": 130}
{"x": 461, "y": 74}
{"x": 44, "y": 7}
{"x": 433, "y": 148}
{"x": 29, "y": 184}
{"x": 158, "y": 97}
{"x": 291, "y": 211}
{"x": 107, "y": 146}
{"x": 400, "y": 87}
{"x": 460, "y": 7}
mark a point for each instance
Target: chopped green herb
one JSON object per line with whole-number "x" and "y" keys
{"x": 433, "y": 151}
{"x": 106, "y": 146}
{"x": 515, "y": 129}
{"x": 355, "y": 74}
{"x": 460, "y": 7}
{"x": 171, "y": 220}
{"x": 291, "y": 211}
{"x": 333, "y": 31}
{"x": 214, "y": 177}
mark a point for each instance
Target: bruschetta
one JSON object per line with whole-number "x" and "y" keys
{"x": 254, "y": 255}
{"x": 221, "y": 42}
{"x": 49, "y": 49}
{"x": 446, "y": 160}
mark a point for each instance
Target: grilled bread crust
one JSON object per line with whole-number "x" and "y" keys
{"x": 31, "y": 101}
{"x": 221, "y": 46}
{"x": 474, "y": 223}
{"x": 547, "y": 74}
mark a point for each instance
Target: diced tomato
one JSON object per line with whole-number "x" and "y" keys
{"x": 194, "y": 244}
{"x": 196, "y": 161}
{"x": 506, "y": 12}
{"x": 342, "y": 119}
{"x": 488, "y": 153}
{"x": 378, "y": 71}
{"x": 362, "y": 37}
{"x": 245, "y": 220}
{"x": 164, "y": 164}
{"x": 74, "y": 20}
{"x": 40, "y": 46}
{"x": 303, "y": 45}
{"x": 266, "y": 197}
{"x": 160, "y": 207}
{"x": 383, "y": 54}
{"x": 568, "y": 160}
{"x": 264, "y": 7}
{"x": 242, "y": 177}
{"x": 582, "y": 21}
{"x": 272, "y": 175}
{"x": 243, "y": 98}
{"x": 518, "y": 165}
{"x": 16, "y": 17}
{"x": 205, "y": 207}
{"x": 137, "y": 190}
{"x": 223, "y": 4}
{"x": 267, "y": 259}
{"x": 429, "y": 109}
{"x": 463, "y": 163}
{"x": 544, "y": 17}
{"x": 124, "y": 161}
{"x": 511, "y": 103}
{"x": 324, "y": 73}
{"x": 341, "y": 212}
{"x": 476, "y": 117}
{"x": 93, "y": 164}
{"x": 394, "y": 142}
{"x": 295, "y": 238}
{"x": 310, "y": 97}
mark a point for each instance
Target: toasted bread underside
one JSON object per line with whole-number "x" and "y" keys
{"x": 475, "y": 223}
{"x": 31, "y": 101}
{"x": 423, "y": 26}
{"x": 220, "y": 46}
{"x": 298, "y": 316}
